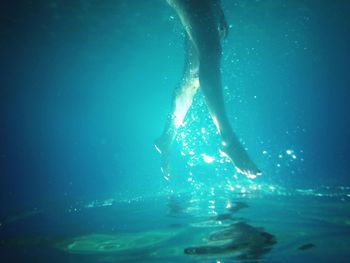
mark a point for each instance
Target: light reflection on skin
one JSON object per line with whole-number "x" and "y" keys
{"x": 204, "y": 24}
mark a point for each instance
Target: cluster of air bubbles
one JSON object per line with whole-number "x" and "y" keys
{"x": 288, "y": 160}
{"x": 207, "y": 169}
{"x": 100, "y": 203}
{"x": 199, "y": 142}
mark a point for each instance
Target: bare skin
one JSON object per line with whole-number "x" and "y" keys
{"x": 205, "y": 24}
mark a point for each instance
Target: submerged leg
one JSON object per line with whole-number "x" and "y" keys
{"x": 201, "y": 26}
{"x": 181, "y": 102}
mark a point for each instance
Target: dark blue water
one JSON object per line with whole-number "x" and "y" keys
{"x": 85, "y": 87}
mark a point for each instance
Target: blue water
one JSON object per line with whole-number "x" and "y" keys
{"x": 306, "y": 225}
{"x": 85, "y": 87}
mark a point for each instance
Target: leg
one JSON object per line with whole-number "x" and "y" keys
{"x": 181, "y": 102}
{"x": 201, "y": 26}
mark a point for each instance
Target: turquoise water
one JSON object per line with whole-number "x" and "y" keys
{"x": 304, "y": 225}
{"x": 85, "y": 88}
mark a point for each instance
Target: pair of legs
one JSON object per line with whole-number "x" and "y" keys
{"x": 202, "y": 70}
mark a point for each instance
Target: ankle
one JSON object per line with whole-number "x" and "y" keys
{"x": 229, "y": 140}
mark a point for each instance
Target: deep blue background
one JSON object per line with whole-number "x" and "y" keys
{"x": 85, "y": 87}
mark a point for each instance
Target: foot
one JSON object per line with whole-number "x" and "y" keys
{"x": 239, "y": 157}
{"x": 163, "y": 148}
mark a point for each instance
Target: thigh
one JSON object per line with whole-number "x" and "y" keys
{"x": 201, "y": 25}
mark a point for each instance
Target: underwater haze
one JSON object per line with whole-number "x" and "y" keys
{"x": 86, "y": 87}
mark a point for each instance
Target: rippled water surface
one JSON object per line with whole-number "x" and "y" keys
{"x": 303, "y": 225}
